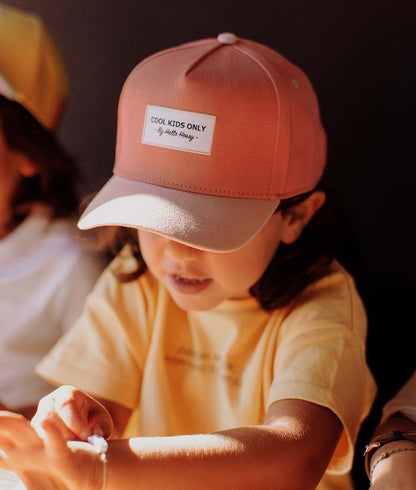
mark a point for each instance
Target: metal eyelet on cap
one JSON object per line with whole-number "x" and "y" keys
{"x": 227, "y": 38}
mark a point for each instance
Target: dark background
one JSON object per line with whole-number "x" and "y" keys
{"x": 359, "y": 55}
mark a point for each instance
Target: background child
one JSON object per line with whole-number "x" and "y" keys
{"x": 230, "y": 340}
{"x": 44, "y": 272}
{"x": 391, "y": 454}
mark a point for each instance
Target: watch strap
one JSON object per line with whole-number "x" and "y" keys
{"x": 379, "y": 441}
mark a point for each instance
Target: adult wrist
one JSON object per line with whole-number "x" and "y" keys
{"x": 388, "y": 454}
{"x": 379, "y": 442}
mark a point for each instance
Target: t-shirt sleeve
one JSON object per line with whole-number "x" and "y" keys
{"x": 321, "y": 358}
{"x": 404, "y": 401}
{"x": 103, "y": 353}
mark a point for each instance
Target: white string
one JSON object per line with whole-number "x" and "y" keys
{"x": 100, "y": 446}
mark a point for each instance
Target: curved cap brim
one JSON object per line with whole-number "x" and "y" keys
{"x": 6, "y": 89}
{"x": 213, "y": 223}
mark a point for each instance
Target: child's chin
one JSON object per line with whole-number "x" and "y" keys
{"x": 194, "y": 302}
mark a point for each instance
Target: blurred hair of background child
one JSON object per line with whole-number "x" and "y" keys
{"x": 45, "y": 273}
{"x": 227, "y": 339}
{"x": 390, "y": 456}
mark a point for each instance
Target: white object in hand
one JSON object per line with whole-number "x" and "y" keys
{"x": 99, "y": 443}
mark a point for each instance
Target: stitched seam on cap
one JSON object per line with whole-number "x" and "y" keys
{"x": 177, "y": 186}
{"x": 154, "y": 56}
{"x": 204, "y": 55}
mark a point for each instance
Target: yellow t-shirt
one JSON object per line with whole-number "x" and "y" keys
{"x": 197, "y": 372}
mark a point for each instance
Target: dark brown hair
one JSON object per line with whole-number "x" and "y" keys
{"x": 55, "y": 183}
{"x": 293, "y": 267}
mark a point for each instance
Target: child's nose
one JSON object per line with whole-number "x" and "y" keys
{"x": 179, "y": 251}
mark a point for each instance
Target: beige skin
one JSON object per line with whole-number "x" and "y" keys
{"x": 13, "y": 166}
{"x": 398, "y": 471}
{"x": 289, "y": 450}
{"x": 231, "y": 274}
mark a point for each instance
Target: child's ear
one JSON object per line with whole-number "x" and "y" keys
{"x": 297, "y": 217}
{"x": 26, "y": 166}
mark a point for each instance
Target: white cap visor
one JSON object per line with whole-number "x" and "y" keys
{"x": 213, "y": 223}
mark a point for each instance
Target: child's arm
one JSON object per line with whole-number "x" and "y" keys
{"x": 28, "y": 411}
{"x": 290, "y": 450}
{"x": 120, "y": 416}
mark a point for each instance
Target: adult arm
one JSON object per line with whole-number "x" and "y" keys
{"x": 398, "y": 470}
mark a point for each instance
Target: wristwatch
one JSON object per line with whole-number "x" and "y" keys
{"x": 379, "y": 441}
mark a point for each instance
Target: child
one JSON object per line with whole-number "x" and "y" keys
{"x": 229, "y": 345}
{"x": 44, "y": 272}
{"x": 390, "y": 457}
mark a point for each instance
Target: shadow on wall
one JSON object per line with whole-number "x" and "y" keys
{"x": 389, "y": 296}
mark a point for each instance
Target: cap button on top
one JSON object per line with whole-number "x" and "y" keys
{"x": 227, "y": 38}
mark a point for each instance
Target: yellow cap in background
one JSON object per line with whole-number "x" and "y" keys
{"x": 32, "y": 71}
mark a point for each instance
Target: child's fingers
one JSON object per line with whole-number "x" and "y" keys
{"x": 80, "y": 414}
{"x": 54, "y": 432}
{"x": 47, "y": 414}
{"x": 18, "y": 438}
{"x": 16, "y": 430}
{"x": 53, "y": 429}
{"x": 100, "y": 421}
{"x": 6, "y": 445}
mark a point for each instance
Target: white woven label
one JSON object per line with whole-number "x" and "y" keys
{"x": 180, "y": 130}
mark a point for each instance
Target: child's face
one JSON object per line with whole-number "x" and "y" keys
{"x": 9, "y": 177}
{"x": 200, "y": 280}
{"x": 13, "y": 166}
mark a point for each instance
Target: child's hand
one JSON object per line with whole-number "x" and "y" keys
{"x": 49, "y": 461}
{"x": 76, "y": 414}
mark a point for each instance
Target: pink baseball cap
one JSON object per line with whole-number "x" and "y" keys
{"x": 212, "y": 134}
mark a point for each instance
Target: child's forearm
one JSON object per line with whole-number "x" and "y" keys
{"x": 249, "y": 458}
{"x": 292, "y": 451}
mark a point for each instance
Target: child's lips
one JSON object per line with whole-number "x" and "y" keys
{"x": 188, "y": 285}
